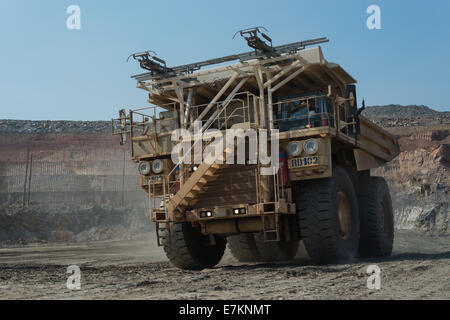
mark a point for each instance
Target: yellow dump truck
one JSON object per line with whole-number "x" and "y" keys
{"x": 319, "y": 190}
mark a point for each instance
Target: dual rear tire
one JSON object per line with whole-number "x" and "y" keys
{"x": 377, "y": 220}
{"x": 251, "y": 247}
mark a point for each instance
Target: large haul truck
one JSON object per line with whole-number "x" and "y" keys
{"x": 319, "y": 190}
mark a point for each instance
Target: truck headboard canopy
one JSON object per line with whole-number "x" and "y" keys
{"x": 303, "y": 71}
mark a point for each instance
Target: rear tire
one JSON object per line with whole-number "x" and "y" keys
{"x": 328, "y": 217}
{"x": 377, "y": 220}
{"x": 189, "y": 249}
{"x": 272, "y": 251}
{"x": 243, "y": 247}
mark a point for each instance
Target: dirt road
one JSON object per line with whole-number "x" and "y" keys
{"x": 419, "y": 269}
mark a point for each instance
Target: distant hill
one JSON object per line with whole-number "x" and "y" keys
{"x": 401, "y": 112}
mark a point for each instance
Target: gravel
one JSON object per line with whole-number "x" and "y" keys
{"x": 74, "y": 127}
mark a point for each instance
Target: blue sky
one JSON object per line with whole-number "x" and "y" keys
{"x": 50, "y": 72}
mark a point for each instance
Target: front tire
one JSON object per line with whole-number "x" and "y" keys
{"x": 188, "y": 249}
{"x": 377, "y": 220}
{"x": 328, "y": 217}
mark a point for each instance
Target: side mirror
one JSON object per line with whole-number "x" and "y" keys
{"x": 351, "y": 99}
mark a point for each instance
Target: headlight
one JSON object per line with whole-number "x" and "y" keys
{"x": 206, "y": 214}
{"x": 144, "y": 168}
{"x": 294, "y": 148}
{"x": 311, "y": 146}
{"x": 239, "y": 211}
{"x": 157, "y": 166}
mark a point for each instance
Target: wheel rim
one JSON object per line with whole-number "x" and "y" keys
{"x": 344, "y": 216}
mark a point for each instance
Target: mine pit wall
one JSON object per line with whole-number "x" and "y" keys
{"x": 419, "y": 179}
{"x": 71, "y": 174}
{"x": 77, "y": 182}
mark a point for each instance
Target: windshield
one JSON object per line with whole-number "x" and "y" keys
{"x": 303, "y": 113}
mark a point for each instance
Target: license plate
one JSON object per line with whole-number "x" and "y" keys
{"x": 154, "y": 179}
{"x": 303, "y": 162}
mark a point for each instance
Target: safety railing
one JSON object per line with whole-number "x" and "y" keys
{"x": 148, "y": 122}
{"x": 224, "y": 114}
{"x": 139, "y": 119}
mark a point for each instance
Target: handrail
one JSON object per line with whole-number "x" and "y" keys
{"x": 206, "y": 128}
{"x": 216, "y": 118}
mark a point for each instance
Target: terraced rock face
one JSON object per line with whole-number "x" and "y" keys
{"x": 83, "y": 186}
{"x": 419, "y": 179}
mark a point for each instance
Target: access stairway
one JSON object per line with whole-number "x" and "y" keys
{"x": 192, "y": 187}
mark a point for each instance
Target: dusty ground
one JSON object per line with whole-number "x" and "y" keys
{"x": 419, "y": 269}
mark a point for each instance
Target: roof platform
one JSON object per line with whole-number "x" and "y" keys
{"x": 306, "y": 70}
